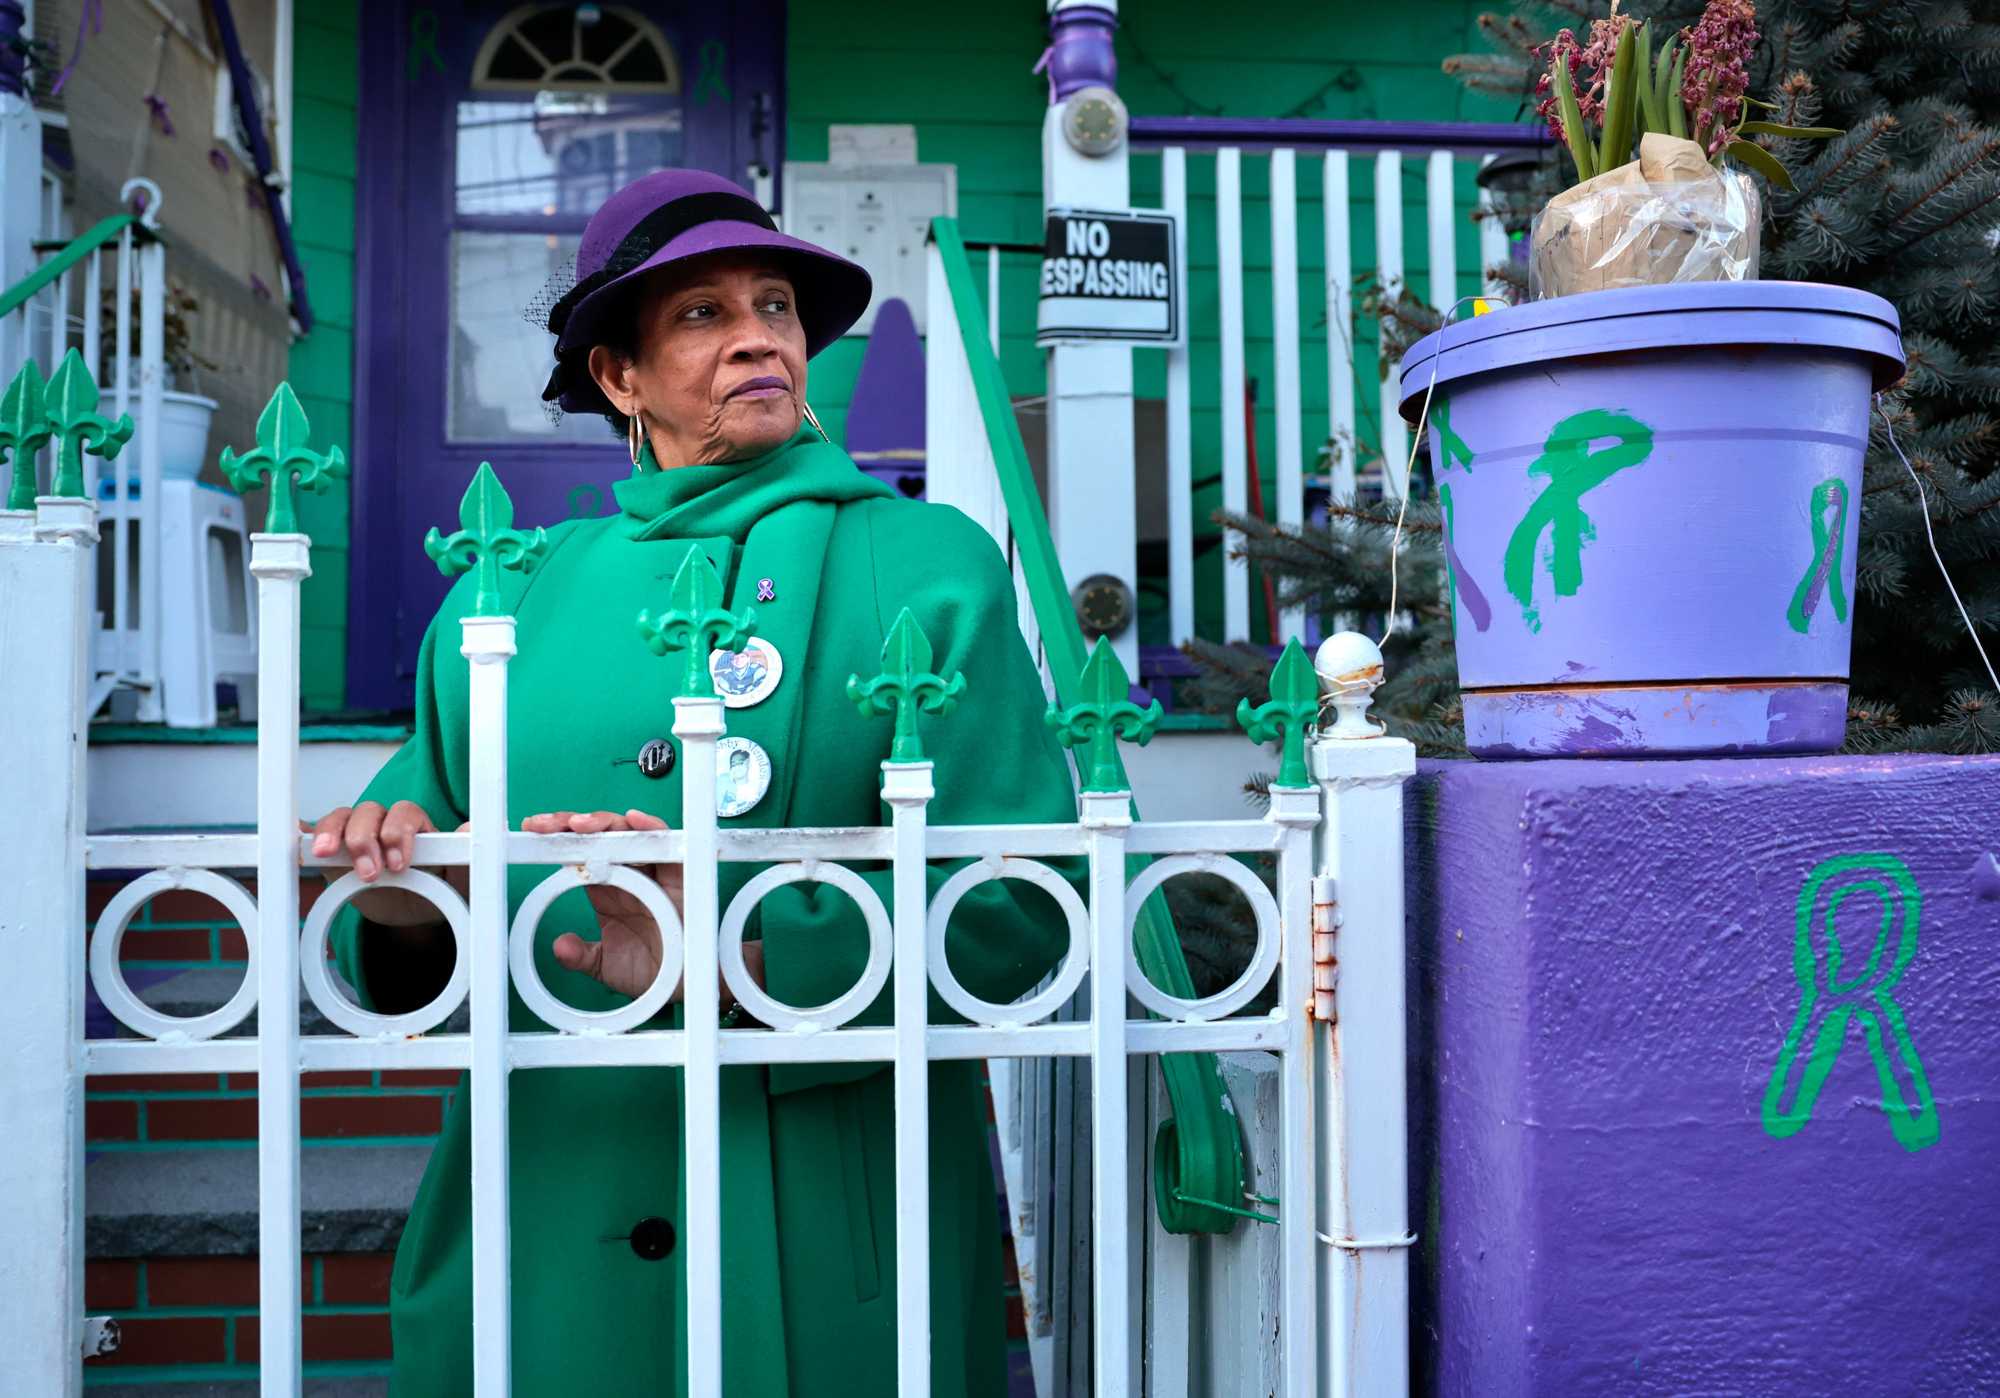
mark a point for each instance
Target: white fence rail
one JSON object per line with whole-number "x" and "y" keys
{"x": 1338, "y": 1044}
{"x": 68, "y": 314}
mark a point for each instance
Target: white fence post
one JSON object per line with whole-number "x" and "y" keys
{"x": 44, "y": 651}
{"x": 487, "y": 642}
{"x": 907, "y": 787}
{"x": 1106, "y": 816}
{"x": 698, "y": 723}
{"x": 1358, "y": 1059}
{"x": 280, "y": 562}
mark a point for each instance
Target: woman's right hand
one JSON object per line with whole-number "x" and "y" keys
{"x": 376, "y": 839}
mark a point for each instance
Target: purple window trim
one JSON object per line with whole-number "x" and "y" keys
{"x": 1208, "y": 133}
{"x": 399, "y": 299}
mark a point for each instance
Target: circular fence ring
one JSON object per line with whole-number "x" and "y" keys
{"x": 837, "y": 1011}
{"x": 528, "y": 980}
{"x": 337, "y": 1007}
{"x": 1068, "y": 976}
{"x": 109, "y": 977}
{"x": 1263, "y": 960}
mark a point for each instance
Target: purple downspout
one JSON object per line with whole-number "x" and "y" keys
{"x": 1080, "y": 52}
{"x": 260, "y": 151}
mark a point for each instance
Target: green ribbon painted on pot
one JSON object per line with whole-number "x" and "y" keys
{"x": 1829, "y": 1002}
{"x": 1573, "y": 469}
{"x": 1822, "y": 575}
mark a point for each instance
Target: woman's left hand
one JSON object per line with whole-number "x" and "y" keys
{"x": 626, "y": 954}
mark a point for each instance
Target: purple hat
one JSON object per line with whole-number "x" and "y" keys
{"x": 670, "y": 216}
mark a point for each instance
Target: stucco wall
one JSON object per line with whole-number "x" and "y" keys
{"x": 1610, "y": 1195}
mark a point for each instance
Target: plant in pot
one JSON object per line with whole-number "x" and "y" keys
{"x": 185, "y": 414}
{"x": 1653, "y": 482}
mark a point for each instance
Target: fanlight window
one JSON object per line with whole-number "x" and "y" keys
{"x": 575, "y": 48}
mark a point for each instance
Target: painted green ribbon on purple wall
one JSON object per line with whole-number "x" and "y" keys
{"x": 1828, "y": 1004}
{"x": 1573, "y": 469}
{"x": 1829, "y": 531}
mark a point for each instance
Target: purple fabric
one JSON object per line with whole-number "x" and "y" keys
{"x": 833, "y": 292}
{"x": 1602, "y": 985}
{"x": 885, "y": 418}
{"x": 163, "y": 115}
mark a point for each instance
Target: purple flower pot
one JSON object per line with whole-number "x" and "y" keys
{"x": 1651, "y": 504}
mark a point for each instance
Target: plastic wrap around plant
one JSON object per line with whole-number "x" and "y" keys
{"x": 1667, "y": 217}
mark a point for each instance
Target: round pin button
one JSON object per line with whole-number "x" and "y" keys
{"x": 656, "y": 759}
{"x": 652, "y": 1238}
{"x": 747, "y": 676}
{"x": 742, "y": 775}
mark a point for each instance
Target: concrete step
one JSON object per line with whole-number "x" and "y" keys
{"x": 202, "y": 1202}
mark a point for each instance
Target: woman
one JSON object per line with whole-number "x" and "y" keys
{"x": 690, "y": 327}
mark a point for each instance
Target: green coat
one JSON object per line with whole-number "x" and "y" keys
{"x": 809, "y": 1199}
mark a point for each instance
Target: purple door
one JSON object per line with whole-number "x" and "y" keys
{"x": 489, "y": 133}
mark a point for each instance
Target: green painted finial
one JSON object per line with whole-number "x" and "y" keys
{"x": 1293, "y": 707}
{"x": 77, "y": 426}
{"x": 486, "y": 541}
{"x": 905, "y": 685}
{"x": 1101, "y": 717}
{"x": 698, "y": 623}
{"x": 24, "y": 427}
{"x": 280, "y": 454}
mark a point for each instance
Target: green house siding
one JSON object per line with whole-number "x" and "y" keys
{"x": 322, "y": 364}
{"x": 962, "y": 76}
{"x": 966, "y": 84}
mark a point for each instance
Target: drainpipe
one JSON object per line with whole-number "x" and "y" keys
{"x": 244, "y": 87}
{"x": 20, "y": 177}
{"x": 1092, "y": 503}
{"x": 1359, "y": 1035}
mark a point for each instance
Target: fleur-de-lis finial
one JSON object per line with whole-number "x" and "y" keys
{"x": 486, "y": 541}
{"x": 77, "y": 426}
{"x": 280, "y": 454}
{"x": 905, "y": 685}
{"x": 1290, "y": 713}
{"x": 698, "y": 623}
{"x": 1101, "y": 717}
{"x": 24, "y": 427}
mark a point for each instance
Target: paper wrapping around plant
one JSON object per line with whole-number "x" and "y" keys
{"x": 1669, "y": 216}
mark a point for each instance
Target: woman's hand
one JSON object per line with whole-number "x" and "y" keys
{"x": 378, "y": 838}
{"x": 626, "y": 954}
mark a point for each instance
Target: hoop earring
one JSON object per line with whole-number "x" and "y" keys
{"x": 815, "y": 423}
{"x": 632, "y": 435}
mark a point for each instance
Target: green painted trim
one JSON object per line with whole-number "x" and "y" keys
{"x": 316, "y": 733}
{"x": 1196, "y": 723}
{"x": 80, "y": 247}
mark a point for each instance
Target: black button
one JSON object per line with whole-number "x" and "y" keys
{"x": 656, "y": 759}
{"x": 652, "y": 1238}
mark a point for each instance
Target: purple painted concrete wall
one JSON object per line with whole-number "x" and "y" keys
{"x": 1611, "y": 1193}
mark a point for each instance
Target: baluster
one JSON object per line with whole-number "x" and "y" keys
{"x": 1235, "y": 445}
{"x": 1389, "y": 281}
{"x": 1285, "y": 356}
{"x": 906, "y": 685}
{"x": 1339, "y": 323}
{"x": 696, "y": 623}
{"x": 487, "y": 542}
{"x": 1180, "y": 410}
{"x": 1096, "y": 723}
{"x": 280, "y": 560}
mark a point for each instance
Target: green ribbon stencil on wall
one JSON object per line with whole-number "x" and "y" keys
{"x": 1572, "y": 469}
{"x": 1834, "y": 993}
{"x": 1822, "y": 576}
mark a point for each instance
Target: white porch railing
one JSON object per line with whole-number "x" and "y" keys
{"x": 1338, "y": 1040}
{"x": 53, "y": 312}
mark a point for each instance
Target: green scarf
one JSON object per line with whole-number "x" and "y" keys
{"x": 726, "y": 498}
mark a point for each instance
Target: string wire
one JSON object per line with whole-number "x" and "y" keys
{"x": 1923, "y": 501}
{"x": 1410, "y": 461}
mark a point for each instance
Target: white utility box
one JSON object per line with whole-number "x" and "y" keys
{"x": 876, "y": 213}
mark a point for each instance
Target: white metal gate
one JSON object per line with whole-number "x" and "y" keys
{"x": 1342, "y": 1210}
